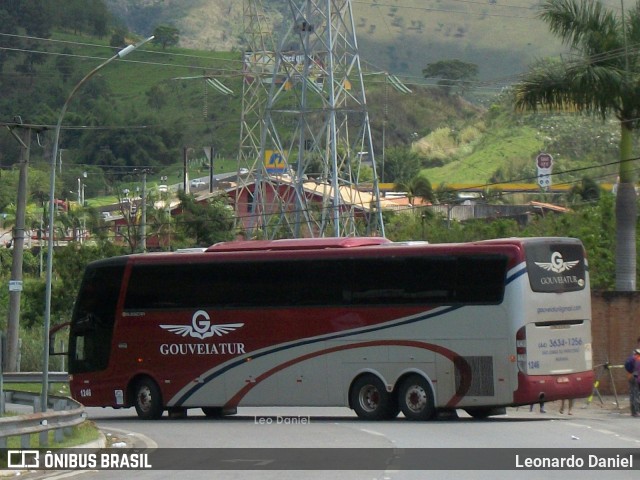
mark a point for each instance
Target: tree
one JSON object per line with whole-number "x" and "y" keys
{"x": 64, "y": 64}
{"x": 602, "y": 81}
{"x": 156, "y": 97}
{"x": 586, "y": 191}
{"x": 75, "y": 15}
{"x": 99, "y": 17}
{"x": 166, "y": 36}
{"x": 133, "y": 148}
{"x": 8, "y": 188}
{"x": 9, "y": 27}
{"x": 205, "y": 223}
{"x": 452, "y": 73}
{"x": 401, "y": 165}
{"x": 39, "y": 185}
{"x": 36, "y": 17}
{"x": 418, "y": 186}
{"x": 117, "y": 38}
{"x": 128, "y": 209}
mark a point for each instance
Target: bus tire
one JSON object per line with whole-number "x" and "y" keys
{"x": 213, "y": 412}
{"x": 478, "y": 413}
{"x": 148, "y": 399}
{"x": 482, "y": 413}
{"x": 370, "y": 399}
{"x": 219, "y": 412}
{"x": 416, "y": 398}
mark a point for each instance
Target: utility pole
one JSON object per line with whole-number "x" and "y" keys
{"x": 185, "y": 175}
{"x": 143, "y": 217}
{"x": 15, "y": 283}
{"x": 143, "y": 223}
{"x": 209, "y": 154}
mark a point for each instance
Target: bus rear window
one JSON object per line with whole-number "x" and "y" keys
{"x": 556, "y": 267}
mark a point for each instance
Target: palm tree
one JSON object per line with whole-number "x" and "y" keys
{"x": 418, "y": 186}
{"x": 603, "y": 79}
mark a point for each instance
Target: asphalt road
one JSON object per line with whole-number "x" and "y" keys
{"x": 317, "y": 429}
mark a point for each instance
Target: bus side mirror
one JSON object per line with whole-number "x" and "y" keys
{"x": 52, "y": 339}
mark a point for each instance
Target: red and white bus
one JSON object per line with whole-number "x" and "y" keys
{"x": 378, "y": 326}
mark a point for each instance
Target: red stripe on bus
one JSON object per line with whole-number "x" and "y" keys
{"x": 459, "y": 362}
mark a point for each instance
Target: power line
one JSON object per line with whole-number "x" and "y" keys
{"x": 604, "y": 56}
{"x": 445, "y": 10}
{"x": 97, "y": 45}
{"x": 141, "y": 62}
{"x": 214, "y": 123}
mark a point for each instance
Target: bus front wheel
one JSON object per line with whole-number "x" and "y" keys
{"x": 148, "y": 399}
{"x": 482, "y": 413}
{"x": 416, "y": 399}
{"x": 370, "y": 399}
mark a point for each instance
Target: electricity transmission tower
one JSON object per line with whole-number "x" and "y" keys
{"x": 305, "y": 134}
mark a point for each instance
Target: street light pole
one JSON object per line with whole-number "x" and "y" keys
{"x": 52, "y": 193}
{"x": 143, "y": 218}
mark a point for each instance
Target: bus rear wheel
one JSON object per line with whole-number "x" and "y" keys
{"x": 213, "y": 412}
{"x": 148, "y": 399}
{"x": 416, "y": 399}
{"x": 370, "y": 399}
{"x": 219, "y": 412}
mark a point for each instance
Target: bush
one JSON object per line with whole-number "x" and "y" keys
{"x": 31, "y": 351}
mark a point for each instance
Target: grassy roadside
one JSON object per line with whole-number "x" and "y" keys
{"x": 80, "y": 434}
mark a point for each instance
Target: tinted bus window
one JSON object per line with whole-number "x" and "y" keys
{"x": 556, "y": 267}
{"x": 237, "y": 284}
{"x": 404, "y": 280}
{"x": 429, "y": 280}
{"x": 324, "y": 282}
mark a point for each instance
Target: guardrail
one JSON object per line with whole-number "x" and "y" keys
{"x": 34, "y": 377}
{"x": 64, "y": 414}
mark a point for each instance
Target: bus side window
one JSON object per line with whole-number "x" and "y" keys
{"x": 94, "y": 318}
{"x": 79, "y": 351}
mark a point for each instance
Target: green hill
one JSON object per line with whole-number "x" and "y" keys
{"x": 146, "y": 109}
{"x": 510, "y": 150}
{"x": 401, "y": 36}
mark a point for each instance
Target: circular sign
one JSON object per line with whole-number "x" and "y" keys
{"x": 544, "y": 160}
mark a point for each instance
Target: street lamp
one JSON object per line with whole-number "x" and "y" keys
{"x": 52, "y": 192}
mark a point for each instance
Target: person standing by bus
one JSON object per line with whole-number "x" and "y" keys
{"x": 632, "y": 366}
{"x": 542, "y": 410}
{"x": 570, "y": 406}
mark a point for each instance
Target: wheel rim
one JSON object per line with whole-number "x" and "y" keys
{"x": 144, "y": 399}
{"x": 416, "y": 398}
{"x": 369, "y": 398}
